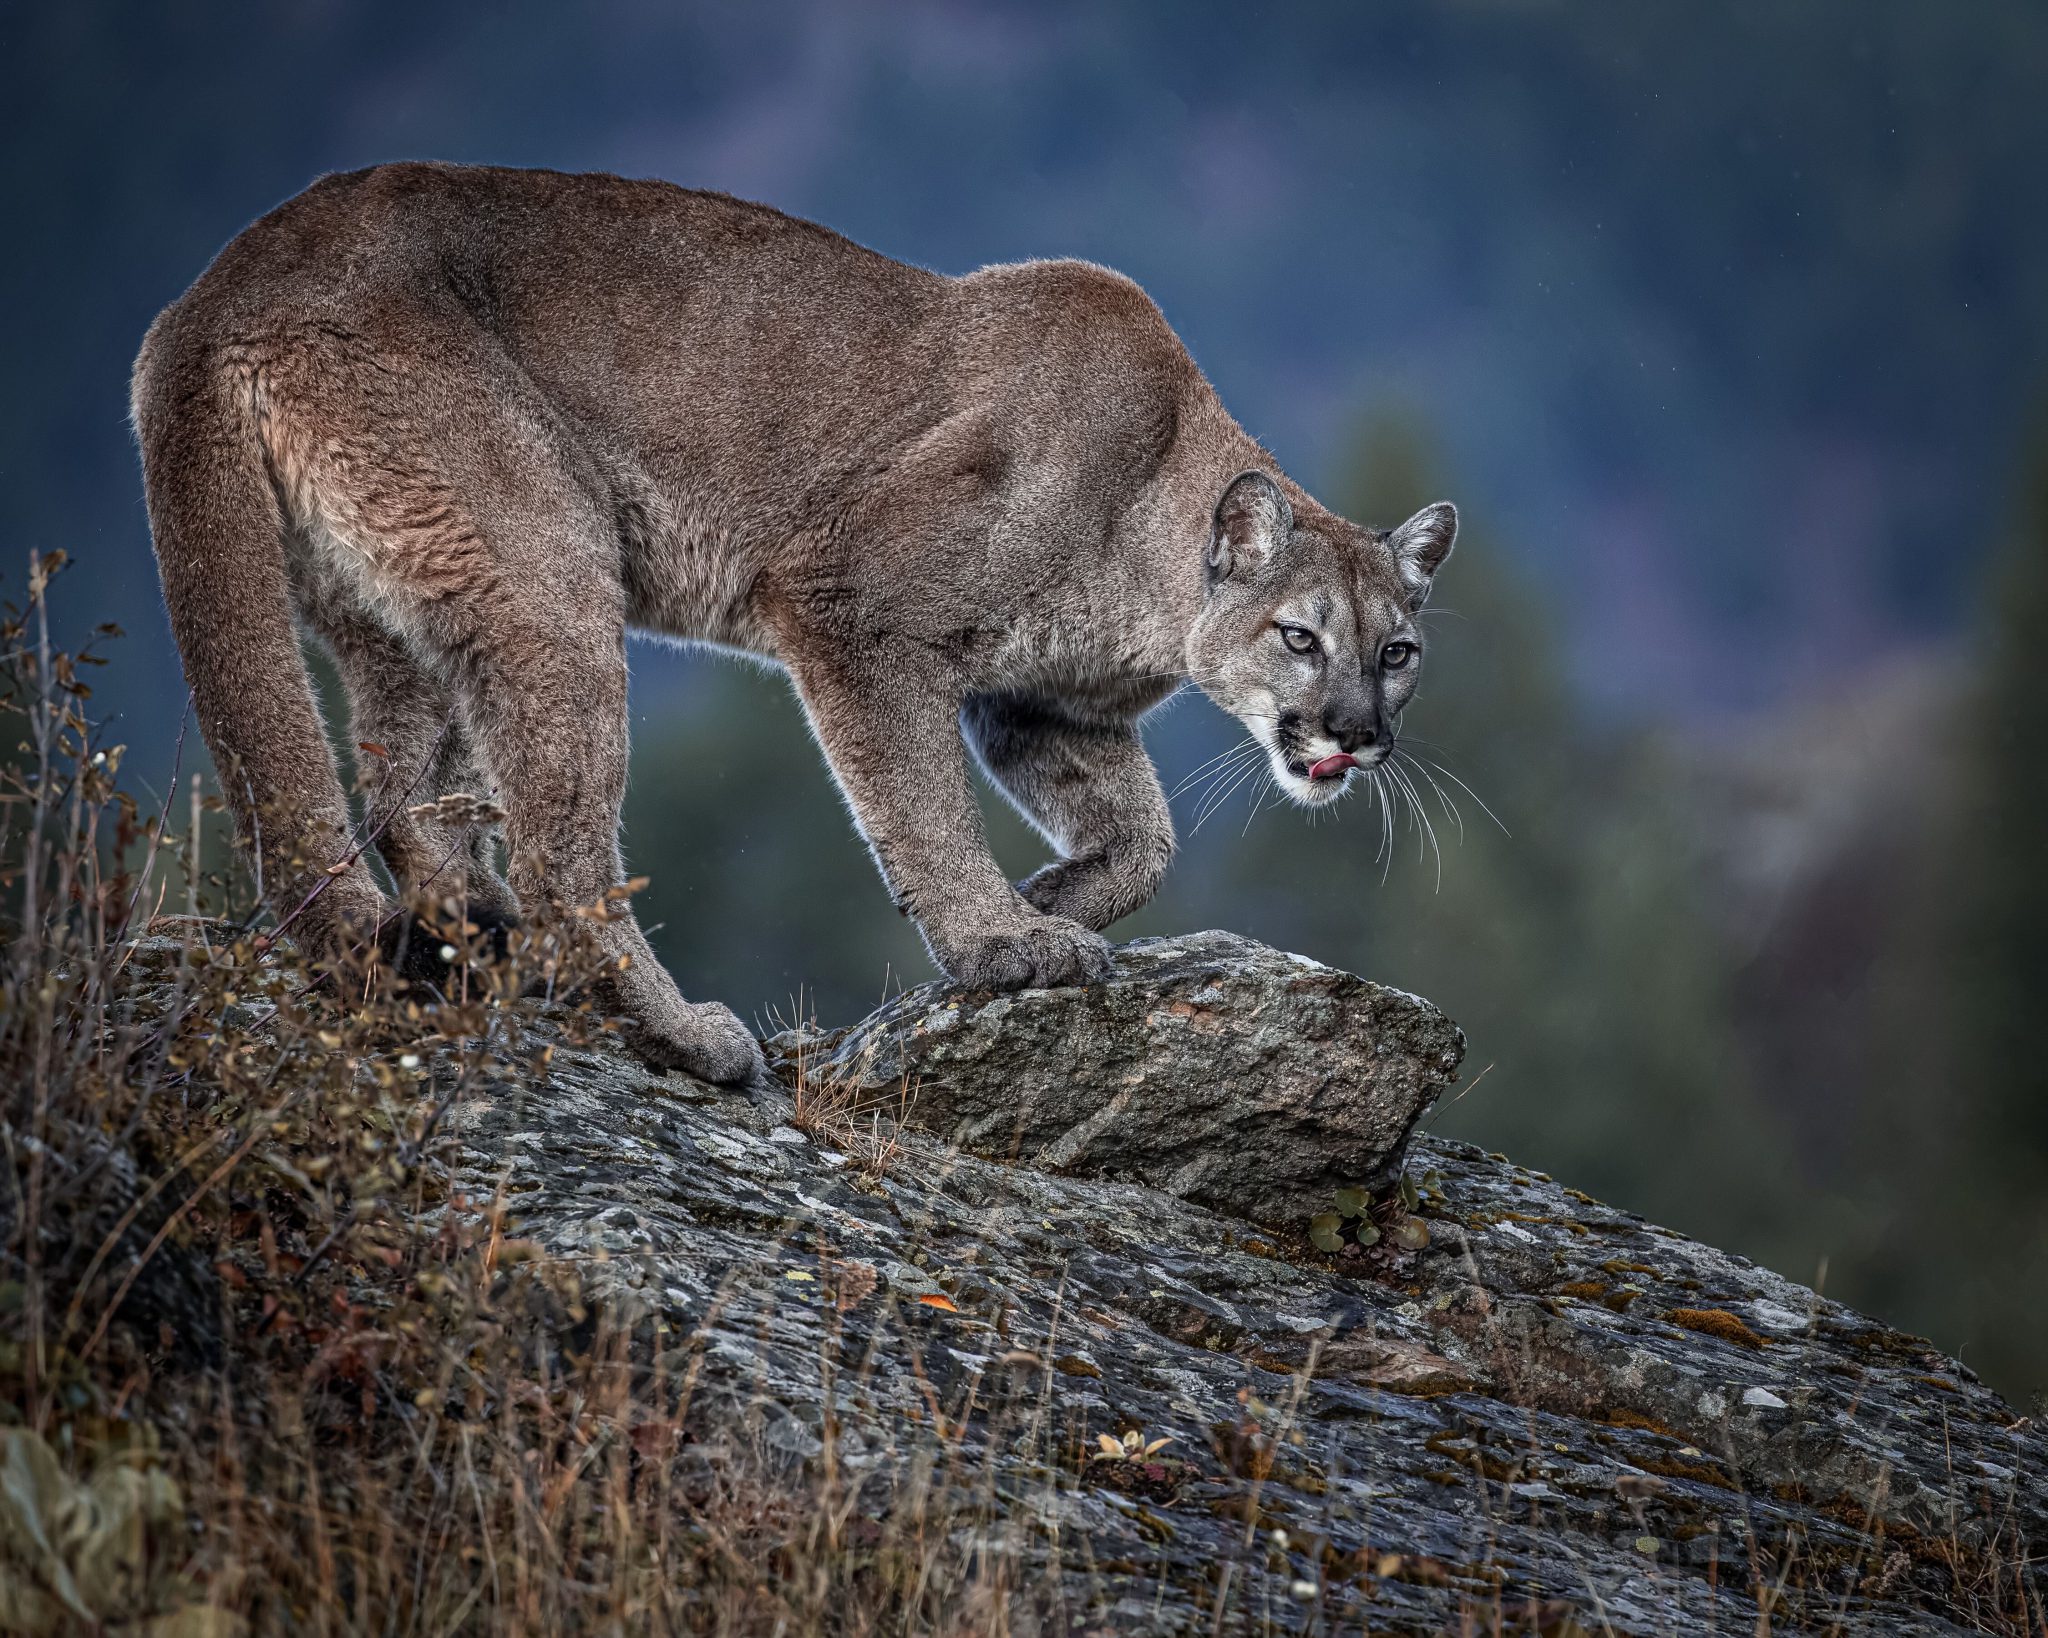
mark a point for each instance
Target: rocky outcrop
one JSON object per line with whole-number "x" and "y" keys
{"x": 1467, "y": 1398}
{"x": 1209, "y": 1066}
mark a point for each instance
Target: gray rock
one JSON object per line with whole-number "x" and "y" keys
{"x": 1546, "y": 1416}
{"x": 1553, "y": 1411}
{"x": 1209, "y": 1066}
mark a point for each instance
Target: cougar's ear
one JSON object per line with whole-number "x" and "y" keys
{"x": 1420, "y": 546}
{"x": 1252, "y": 522}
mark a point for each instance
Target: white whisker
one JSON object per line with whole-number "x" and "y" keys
{"x": 1220, "y": 778}
{"x": 1450, "y": 807}
{"x": 1386, "y": 847}
{"x": 1469, "y": 791}
{"x": 1242, "y": 748}
{"x": 1215, "y": 802}
{"x": 1258, "y": 801}
{"x": 1415, "y": 805}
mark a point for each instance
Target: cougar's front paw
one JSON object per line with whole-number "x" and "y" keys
{"x": 1038, "y": 955}
{"x": 1088, "y": 890}
{"x": 1067, "y": 887}
{"x": 1102, "y": 885}
{"x": 701, "y": 1038}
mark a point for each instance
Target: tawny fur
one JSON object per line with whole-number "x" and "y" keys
{"x": 467, "y": 426}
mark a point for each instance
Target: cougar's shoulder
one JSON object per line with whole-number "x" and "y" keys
{"x": 1085, "y": 371}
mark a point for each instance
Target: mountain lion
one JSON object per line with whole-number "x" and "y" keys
{"x": 467, "y": 426}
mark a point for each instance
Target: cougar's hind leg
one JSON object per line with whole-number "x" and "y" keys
{"x": 412, "y": 750}
{"x": 219, "y": 537}
{"x": 469, "y": 515}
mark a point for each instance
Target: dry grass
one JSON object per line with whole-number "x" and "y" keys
{"x": 835, "y": 1112}
{"x": 263, "y": 1371}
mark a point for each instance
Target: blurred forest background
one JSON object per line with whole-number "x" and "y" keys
{"x": 1727, "y": 327}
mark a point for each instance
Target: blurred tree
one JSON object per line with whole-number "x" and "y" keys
{"x": 2006, "y": 944}
{"x": 2000, "y": 963}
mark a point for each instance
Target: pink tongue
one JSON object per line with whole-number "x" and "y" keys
{"x": 1331, "y": 766}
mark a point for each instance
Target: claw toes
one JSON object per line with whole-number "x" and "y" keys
{"x": 1045, "y": 957}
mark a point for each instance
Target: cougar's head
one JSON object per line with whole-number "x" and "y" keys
{"x": 1308, "y": 635}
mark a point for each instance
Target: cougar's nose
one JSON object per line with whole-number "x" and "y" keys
{"x": 1352, "y": 730}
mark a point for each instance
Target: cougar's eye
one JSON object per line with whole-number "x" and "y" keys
{"x": 1396, "y": 655}
{"x": 1299, "y": 639}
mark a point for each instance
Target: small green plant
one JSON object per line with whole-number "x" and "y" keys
{"x": 1362, "y": 1219}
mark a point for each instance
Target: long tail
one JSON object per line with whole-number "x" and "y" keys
{"x": 219, "y": 534}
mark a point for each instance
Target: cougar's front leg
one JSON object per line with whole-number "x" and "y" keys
{"x": 558, "y": 738}
{"x": 893, "y": 741}
{"x": 1092, "y": 791}
{"x": 547, "y": 700}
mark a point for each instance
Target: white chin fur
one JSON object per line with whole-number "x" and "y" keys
{"x": 1309, "y": 793}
